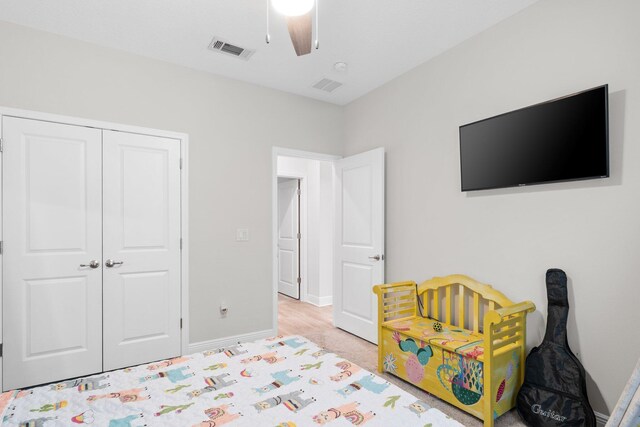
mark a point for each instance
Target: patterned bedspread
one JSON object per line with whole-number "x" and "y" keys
{"x": 277, "y": 382}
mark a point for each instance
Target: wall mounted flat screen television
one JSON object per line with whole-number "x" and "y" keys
{"x": 564, "y": 139}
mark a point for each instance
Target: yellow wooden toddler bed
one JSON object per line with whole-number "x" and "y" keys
{"x": 455, "y": 338}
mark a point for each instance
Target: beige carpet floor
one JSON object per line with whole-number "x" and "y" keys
{"x": 314, "y": 323}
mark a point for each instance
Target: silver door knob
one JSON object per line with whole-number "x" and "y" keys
{"x": 110, "y": 263}
{"x": 93, "y": 264}
{"x": 376, "y": 257}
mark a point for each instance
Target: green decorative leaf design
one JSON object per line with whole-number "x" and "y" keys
{"x": 301, "y": 352}
{"x": 308, "y": 366}
{"x": 177, "y": 388}
{"x": 391, "y": 401}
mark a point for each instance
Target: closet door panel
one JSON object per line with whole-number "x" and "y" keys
{"x": 52, "y": 298}
{"x": 142, "y": 232}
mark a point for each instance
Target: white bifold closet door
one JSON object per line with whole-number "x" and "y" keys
{"x": 91, "y": 254}
{"x": 52, "y": 225}
{"x": 141, "y": 190}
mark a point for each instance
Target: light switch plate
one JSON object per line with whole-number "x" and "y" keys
{"x": 242, "y": 235}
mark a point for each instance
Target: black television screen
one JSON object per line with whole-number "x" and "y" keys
{"x": 564, "y": 139}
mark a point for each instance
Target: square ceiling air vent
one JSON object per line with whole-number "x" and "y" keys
{"x": 327, "y": 85}
{"x": 221, "y": 46}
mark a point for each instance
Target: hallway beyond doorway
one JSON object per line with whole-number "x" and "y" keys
{"x": 300, "y": 318}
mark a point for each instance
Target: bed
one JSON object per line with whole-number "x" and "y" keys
{"x": 279, "y": 382}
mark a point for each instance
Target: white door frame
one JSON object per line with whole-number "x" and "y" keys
{"x": 308, "y": 155}
{"x": 184, "y": 202}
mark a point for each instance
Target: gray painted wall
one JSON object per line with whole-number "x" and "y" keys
{"x": 504, "y": 237}
{"x": 232, "y": 127}
{"x": 510, "y": 237}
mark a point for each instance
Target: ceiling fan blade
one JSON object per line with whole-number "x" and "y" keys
{"x": 301, "y": 33}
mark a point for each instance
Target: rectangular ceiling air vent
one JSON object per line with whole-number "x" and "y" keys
{"x": 221, "y": 46}
{"x": 327, "y": 85}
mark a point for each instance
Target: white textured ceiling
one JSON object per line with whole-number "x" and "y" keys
{"x": 378, "y": 39}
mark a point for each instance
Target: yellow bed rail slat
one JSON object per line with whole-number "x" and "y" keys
{"x": 447, "y": 309}
{"x": 436, "y": 304}
{"x": 461, "y": 306}
{"x": 476, "y": 312}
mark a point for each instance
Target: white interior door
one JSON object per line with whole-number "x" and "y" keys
{"x": 359, "y": 201}
{"x": 141, "y": 248}
{"x": 288, "y": 238}
{"x": 52, "y": 225}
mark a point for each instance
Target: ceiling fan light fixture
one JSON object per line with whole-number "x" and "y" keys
{"x": 293, "y": 7}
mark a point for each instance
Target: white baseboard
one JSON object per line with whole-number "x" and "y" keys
{"x": 319, "y": 301}
{"x": 601, "y": 419}
{"x": 201, "y": 346}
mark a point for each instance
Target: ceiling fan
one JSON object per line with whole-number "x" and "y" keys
{"x": 298, "y": 14}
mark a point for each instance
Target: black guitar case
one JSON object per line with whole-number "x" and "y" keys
{"x": 554, "y": 392}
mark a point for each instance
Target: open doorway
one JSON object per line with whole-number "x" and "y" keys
{"x": 303, "y": 239}
{"x": 341, "y": 241}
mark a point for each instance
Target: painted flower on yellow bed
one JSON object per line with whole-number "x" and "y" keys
{"x": 390, "y": 363}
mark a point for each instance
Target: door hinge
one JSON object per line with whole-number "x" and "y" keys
{"x": 181, "y": 323}
{"x": 1, "y": 248}
{"x": 180, "y": 163}
{"x": 298, "y": 191}
{"x": 1, "y": 145}
{"x": 299, "y": 236}
{"x": 299, "y": 280}
{"x": 181, "y": 243}
{"x": 0, "y": 350}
